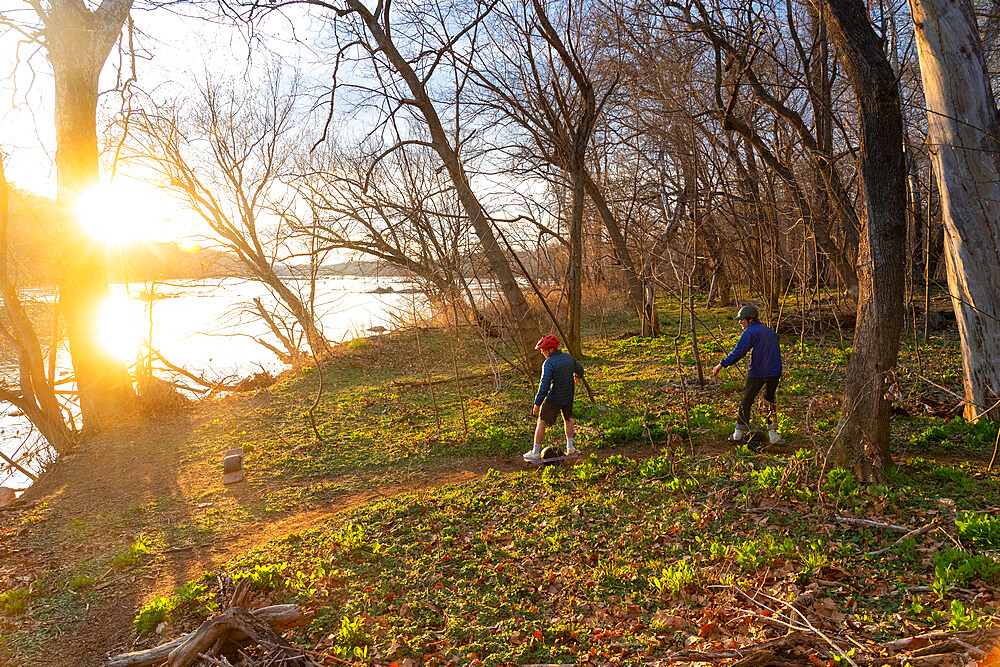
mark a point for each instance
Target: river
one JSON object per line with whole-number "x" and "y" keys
{"x": 205, "y": 326}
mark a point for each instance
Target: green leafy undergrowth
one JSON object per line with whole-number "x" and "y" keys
{"x": 616, "y": 559}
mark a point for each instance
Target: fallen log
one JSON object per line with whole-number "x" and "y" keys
{"x": 279, "y": 617}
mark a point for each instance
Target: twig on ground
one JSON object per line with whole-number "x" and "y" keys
{"x": 868, "y": 523}
{"x": 809, "y": 626}
{"x": 913, "y": 533}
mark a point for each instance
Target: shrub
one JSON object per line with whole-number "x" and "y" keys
{"x": 192, "y": 591}
{"x": 962, "y": 619}
{"x": 133, "y": 553}
{"x": 155, "y": 613}
{"x": 14, "y": 602}
{"x": 79, "y": 582}
{"x": 981, "y": 531}
{"x": 265, "y": 577}
{"x": 841, "y": 482}
{"x": 674, "y": 578}
{"x": 656, "y": 467}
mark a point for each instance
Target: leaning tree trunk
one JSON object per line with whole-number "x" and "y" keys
{"x": 36, "y": 399}
{"x": 862, "y": 439}
{"x": 303, "y": 315}
{"x": 78, "y": 42}
{"x": 641, "y": 293}
{"x": 525, "y": 321}
{"x": 962, "y": 131}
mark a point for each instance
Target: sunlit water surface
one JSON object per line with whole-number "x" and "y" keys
{"x": 206, "y": 327}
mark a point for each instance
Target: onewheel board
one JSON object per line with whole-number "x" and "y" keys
{"x": 553, "y": 456}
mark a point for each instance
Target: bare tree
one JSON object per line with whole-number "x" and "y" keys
{"x": 405, "y": 82}
{"x": 551, "y": 85}
{"x": 35, "y": 396}
{"x": 398, "y": 209}
{"x": 230, "y": 159}
{"x": 77, "y": 41}
{"x": 862, "y": 439}
{"x": 964, "y": 138}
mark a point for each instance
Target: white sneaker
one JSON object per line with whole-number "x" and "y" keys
{"x": 773, "y": 437}
{"x": 737, "y": 436}
{"x": 571, "y": 450}
{"x": 533, "y": 455}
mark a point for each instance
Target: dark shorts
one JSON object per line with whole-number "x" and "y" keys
{"x": 549, "y": 413}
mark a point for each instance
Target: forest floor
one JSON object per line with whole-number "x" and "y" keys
{"x": 417, "y": 536}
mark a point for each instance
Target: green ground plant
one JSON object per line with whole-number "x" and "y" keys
{"x": 625, "y": 557}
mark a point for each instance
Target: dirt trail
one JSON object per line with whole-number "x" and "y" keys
{"x": 113, "y": 478}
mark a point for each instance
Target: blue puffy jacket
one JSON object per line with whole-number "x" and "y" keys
{"x": 557, "y": 384}
{"x": 765, "y": 361}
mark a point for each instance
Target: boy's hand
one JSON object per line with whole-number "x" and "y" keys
{"x": 535, "y": 409}
{"x": 715, "y": 371}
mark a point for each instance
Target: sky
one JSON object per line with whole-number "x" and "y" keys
{"x": 172, "y": 51}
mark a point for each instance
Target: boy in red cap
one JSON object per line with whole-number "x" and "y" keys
{"x": 555, "y": 394}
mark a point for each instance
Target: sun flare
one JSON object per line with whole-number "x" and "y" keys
{"x": 125, "y": 211}
{"x": 121, "y": 326}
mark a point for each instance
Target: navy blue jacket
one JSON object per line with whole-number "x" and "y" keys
{"x": 765, "y": 361}
{"x": 557, "y": 386}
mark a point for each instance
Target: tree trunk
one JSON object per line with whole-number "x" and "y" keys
{"x": 576, "y": 262}
{"x": 963, "y": 135}
{"x": 78, "y": 43}
{"x": 862, "y": 439}
{"x": 525, "y": 321}
{"x": 640, "y": 294}
{"x": 37, "y": 400}
{"x": 318, "y": 343}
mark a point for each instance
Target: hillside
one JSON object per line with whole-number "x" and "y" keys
{"x": 415, "y": 535}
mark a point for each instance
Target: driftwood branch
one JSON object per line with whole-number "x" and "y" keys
{"x": 234, "y": 619}
{"x": 279, "y": 618}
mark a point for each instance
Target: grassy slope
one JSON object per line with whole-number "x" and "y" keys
{"x": 611, "y": 558}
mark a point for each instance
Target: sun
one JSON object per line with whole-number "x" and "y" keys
{"x": 124, "y": 211}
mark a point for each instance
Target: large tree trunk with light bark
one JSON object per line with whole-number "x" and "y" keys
{"x": 78, "y": 42}
{"x": 963, "y": 137}
{"x": 862, "y": 439}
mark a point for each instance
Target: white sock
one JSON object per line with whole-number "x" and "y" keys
{"x": 537, "y": 448}
{"x": 738, "y": 432}
{"x": 569, "y": 443}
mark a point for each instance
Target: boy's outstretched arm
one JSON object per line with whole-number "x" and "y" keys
{"x": 740, "y": 351}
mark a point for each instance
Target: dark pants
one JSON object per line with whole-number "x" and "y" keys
{"x": 750, "y": 391}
